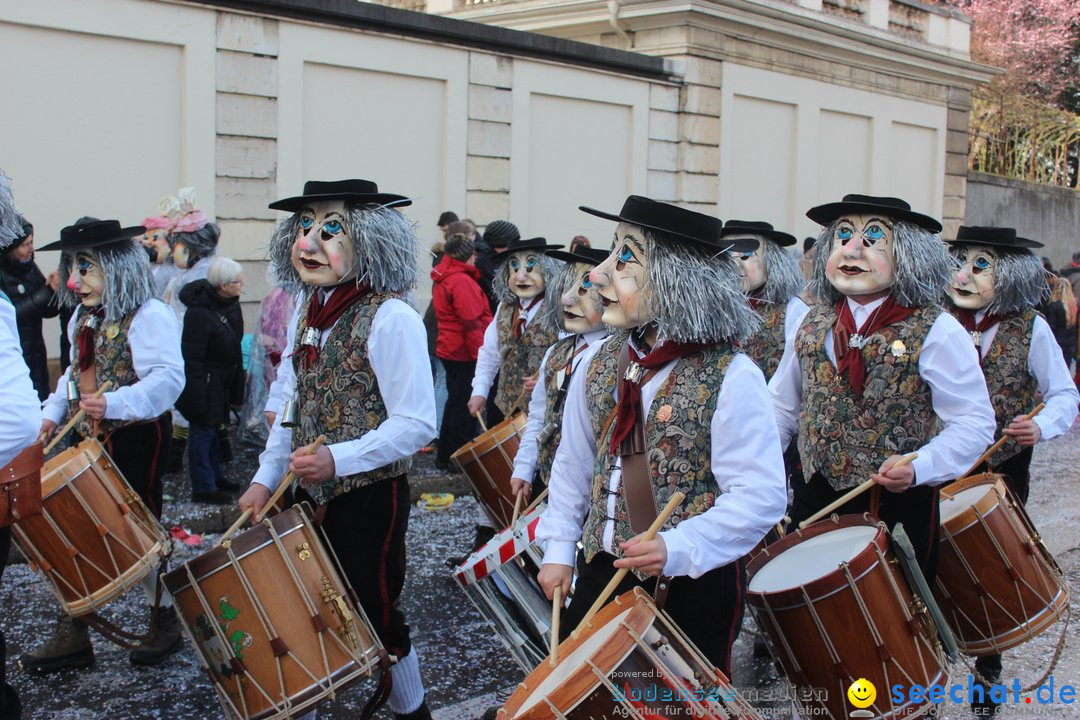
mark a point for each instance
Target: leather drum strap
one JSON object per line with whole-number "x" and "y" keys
{"x": 637, "y": 485}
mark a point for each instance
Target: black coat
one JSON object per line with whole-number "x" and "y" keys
{"x": 213, "y": 363}
{"x": 34, "y": 301}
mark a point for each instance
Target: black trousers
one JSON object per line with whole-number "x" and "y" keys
{"x": 458, "y": 426}
{"x": 10, "y": 707}
{"x": 708, "y": 609}
{"x": 140, "y": 453}
{"x": 366, "y": 528}
{"x": 916, "y": 508}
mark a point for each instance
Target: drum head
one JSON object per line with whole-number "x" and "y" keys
{"x": 500, "y": 550}
{"x": 812, "y": 558}
{"x": 953, "y": 505}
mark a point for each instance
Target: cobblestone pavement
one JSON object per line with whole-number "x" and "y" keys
{"x": 465, "y": 667}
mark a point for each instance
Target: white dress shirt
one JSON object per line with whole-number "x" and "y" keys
{"x": 21, "y": 416}
{"x": 948, "y": 365}
{"x": 793, "y": 317}
{"x": 1048, "y": 367}
{"x": 489, "y": 357}
{"x": 525, "y": 460}
{"x": 397, "y": 351}
{"x": 154, "y": 337}
{"x": 746, "y": 462}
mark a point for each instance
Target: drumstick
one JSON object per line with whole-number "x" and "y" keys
{"x": 673, "y": 503}
{"x": 76, "y": 418}
{"x": 517, "y": 507}
{"x": 480, "y": 416}
{"x": 996, "y": 446}
{"x": 556, "y": 609}
{"x": 851, "y": 494}
{"x": 536, "y": 502}
{"x": 226, "y": 539}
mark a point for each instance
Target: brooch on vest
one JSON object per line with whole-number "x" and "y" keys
{"x": 310, "y": 337}
{"x": 92, "y": 322}
{"x": 976, "y": 337}
{"x": 634, "y": 372}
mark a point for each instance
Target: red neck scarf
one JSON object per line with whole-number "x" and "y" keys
{"x": 629, "y": 408}
{"x": 322, "y": 316}
{"x": 519, "y": 315}
{"x": 85, "y": 339}
{"x": 755, "y": 298}
{"x": 852, "y": 362}
{"x": 967, "y": 319}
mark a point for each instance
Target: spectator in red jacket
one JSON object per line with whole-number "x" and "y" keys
{"x": 462, "y": 313}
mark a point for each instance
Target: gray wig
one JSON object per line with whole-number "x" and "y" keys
{"x": 923, "y": 266}
{"x": 549, "y": 267}
{"x": 783, "y": 278}
{"x": 1019, "y": 279}
{"x": 10, "y": 226}
{"x": 128, "y": 279}
{"x": 696, "y": 294}
{"x": 385, "y": 244}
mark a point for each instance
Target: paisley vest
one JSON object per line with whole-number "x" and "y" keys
{"x": 844, "y": 437}
{"x": 677, "y": 438}
{"x": 112, "y": 361}
{"x": 339, "y": 396}
{"x": 558, "y": 359}
{"x": 766, "y": 346}
{"x": 1013, "y": 389}
{"x": 519, "y": 357}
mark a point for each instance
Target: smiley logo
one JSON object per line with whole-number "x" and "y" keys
{"x": 862, "y": 693}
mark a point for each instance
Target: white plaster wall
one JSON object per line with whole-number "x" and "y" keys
{"x": 788, "y": 143}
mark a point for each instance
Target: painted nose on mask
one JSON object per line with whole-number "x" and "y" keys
{"x": 72, "y": 284}
{"x": 307, "y": 242}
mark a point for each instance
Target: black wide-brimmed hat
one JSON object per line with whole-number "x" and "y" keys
{"x": 538, "y": 244}
{"x": 680, "y": 223}
{"x": 869, "y": 205}
{"x": 755, "y": 227}
{"x": 93, "y": 234}
{"x": 587, "y": 255}
{"x": 1002, "y": 237}
{"x": 355, "y": 191}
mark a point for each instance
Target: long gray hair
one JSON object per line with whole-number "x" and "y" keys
{"x": 10, "y": 228}
{"x": 783, "y": 278}
{"x": 923, "y": 266}
{"x": 128, "y": 279}
{"x": 385, "y": 244}
{"x": 1019, "y": 279}
{"x": 696, "y": 294}
{"x": 549, "y": 267}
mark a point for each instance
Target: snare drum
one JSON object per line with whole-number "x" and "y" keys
{"x": 996, "y": 583}
{"x": 274, "y": 623}
{"x": 629, "y": 661}
{"x": 500, "y": 579}
{"x": 836, "y": 609}
{"x": 488, "y": 462}
{"x": 95, "y": 539}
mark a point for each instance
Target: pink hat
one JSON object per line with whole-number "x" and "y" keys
{"x": 157, "y": 222}
{"x": 194, "y": 220}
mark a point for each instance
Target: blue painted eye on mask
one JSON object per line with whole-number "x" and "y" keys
{"x": 844, "y": 233}
{"x": 980, "y": 265}
{"x": 530, "y": 263}
{"x": 306, "y": 222}
{"x": 872, "y": 235}
{"x": 746, "y": 256}
{"x": 83, "y": 267}
{"x": 515, "y": 264}
{"x": 333, "y": 227}
{"x": 626, "y": 255}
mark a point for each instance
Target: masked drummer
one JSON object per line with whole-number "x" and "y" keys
{"x": 671, "y": 389}
{"x": 21, "y": 418}
{"x": 576, "y": 311}
{"x": 994, "y": 291}
{"x": 358, "y": 372}
{"x": 119, "y": 333}
{"x": 514, "y": 342}
{"x": 877, "y": 367}
{"x": 159, "y": 247}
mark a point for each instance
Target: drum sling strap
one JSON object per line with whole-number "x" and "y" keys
{"x": 116, "y": 634}
{"x": 637, "y": 485}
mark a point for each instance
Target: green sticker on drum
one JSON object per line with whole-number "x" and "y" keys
{"x": 218, "y": 655}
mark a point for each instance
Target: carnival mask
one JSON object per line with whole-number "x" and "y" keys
{"x": 620, "y": 279}
{"x": 526, "y": 274}
{"x": 86, "y": 279}
{"x": 323, "y": 252}
{"x": 973, "y": 282}
{"x": 581, "y": 312}
{"x": 180, "y": 256}
{"x": 156, "y": 242}
{"x": 861, "y": 259}
{"x": 751, "y": 264}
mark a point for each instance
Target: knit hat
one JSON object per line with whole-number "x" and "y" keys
{"x": 499, "y": 233}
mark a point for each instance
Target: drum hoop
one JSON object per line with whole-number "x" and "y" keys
{"x": 568, "y": 694}
{"x": 983, "y": 507}
{"x": 500, "y": 550}
{"x": 488, "y": 441}
{"x": 831, "y": 582}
